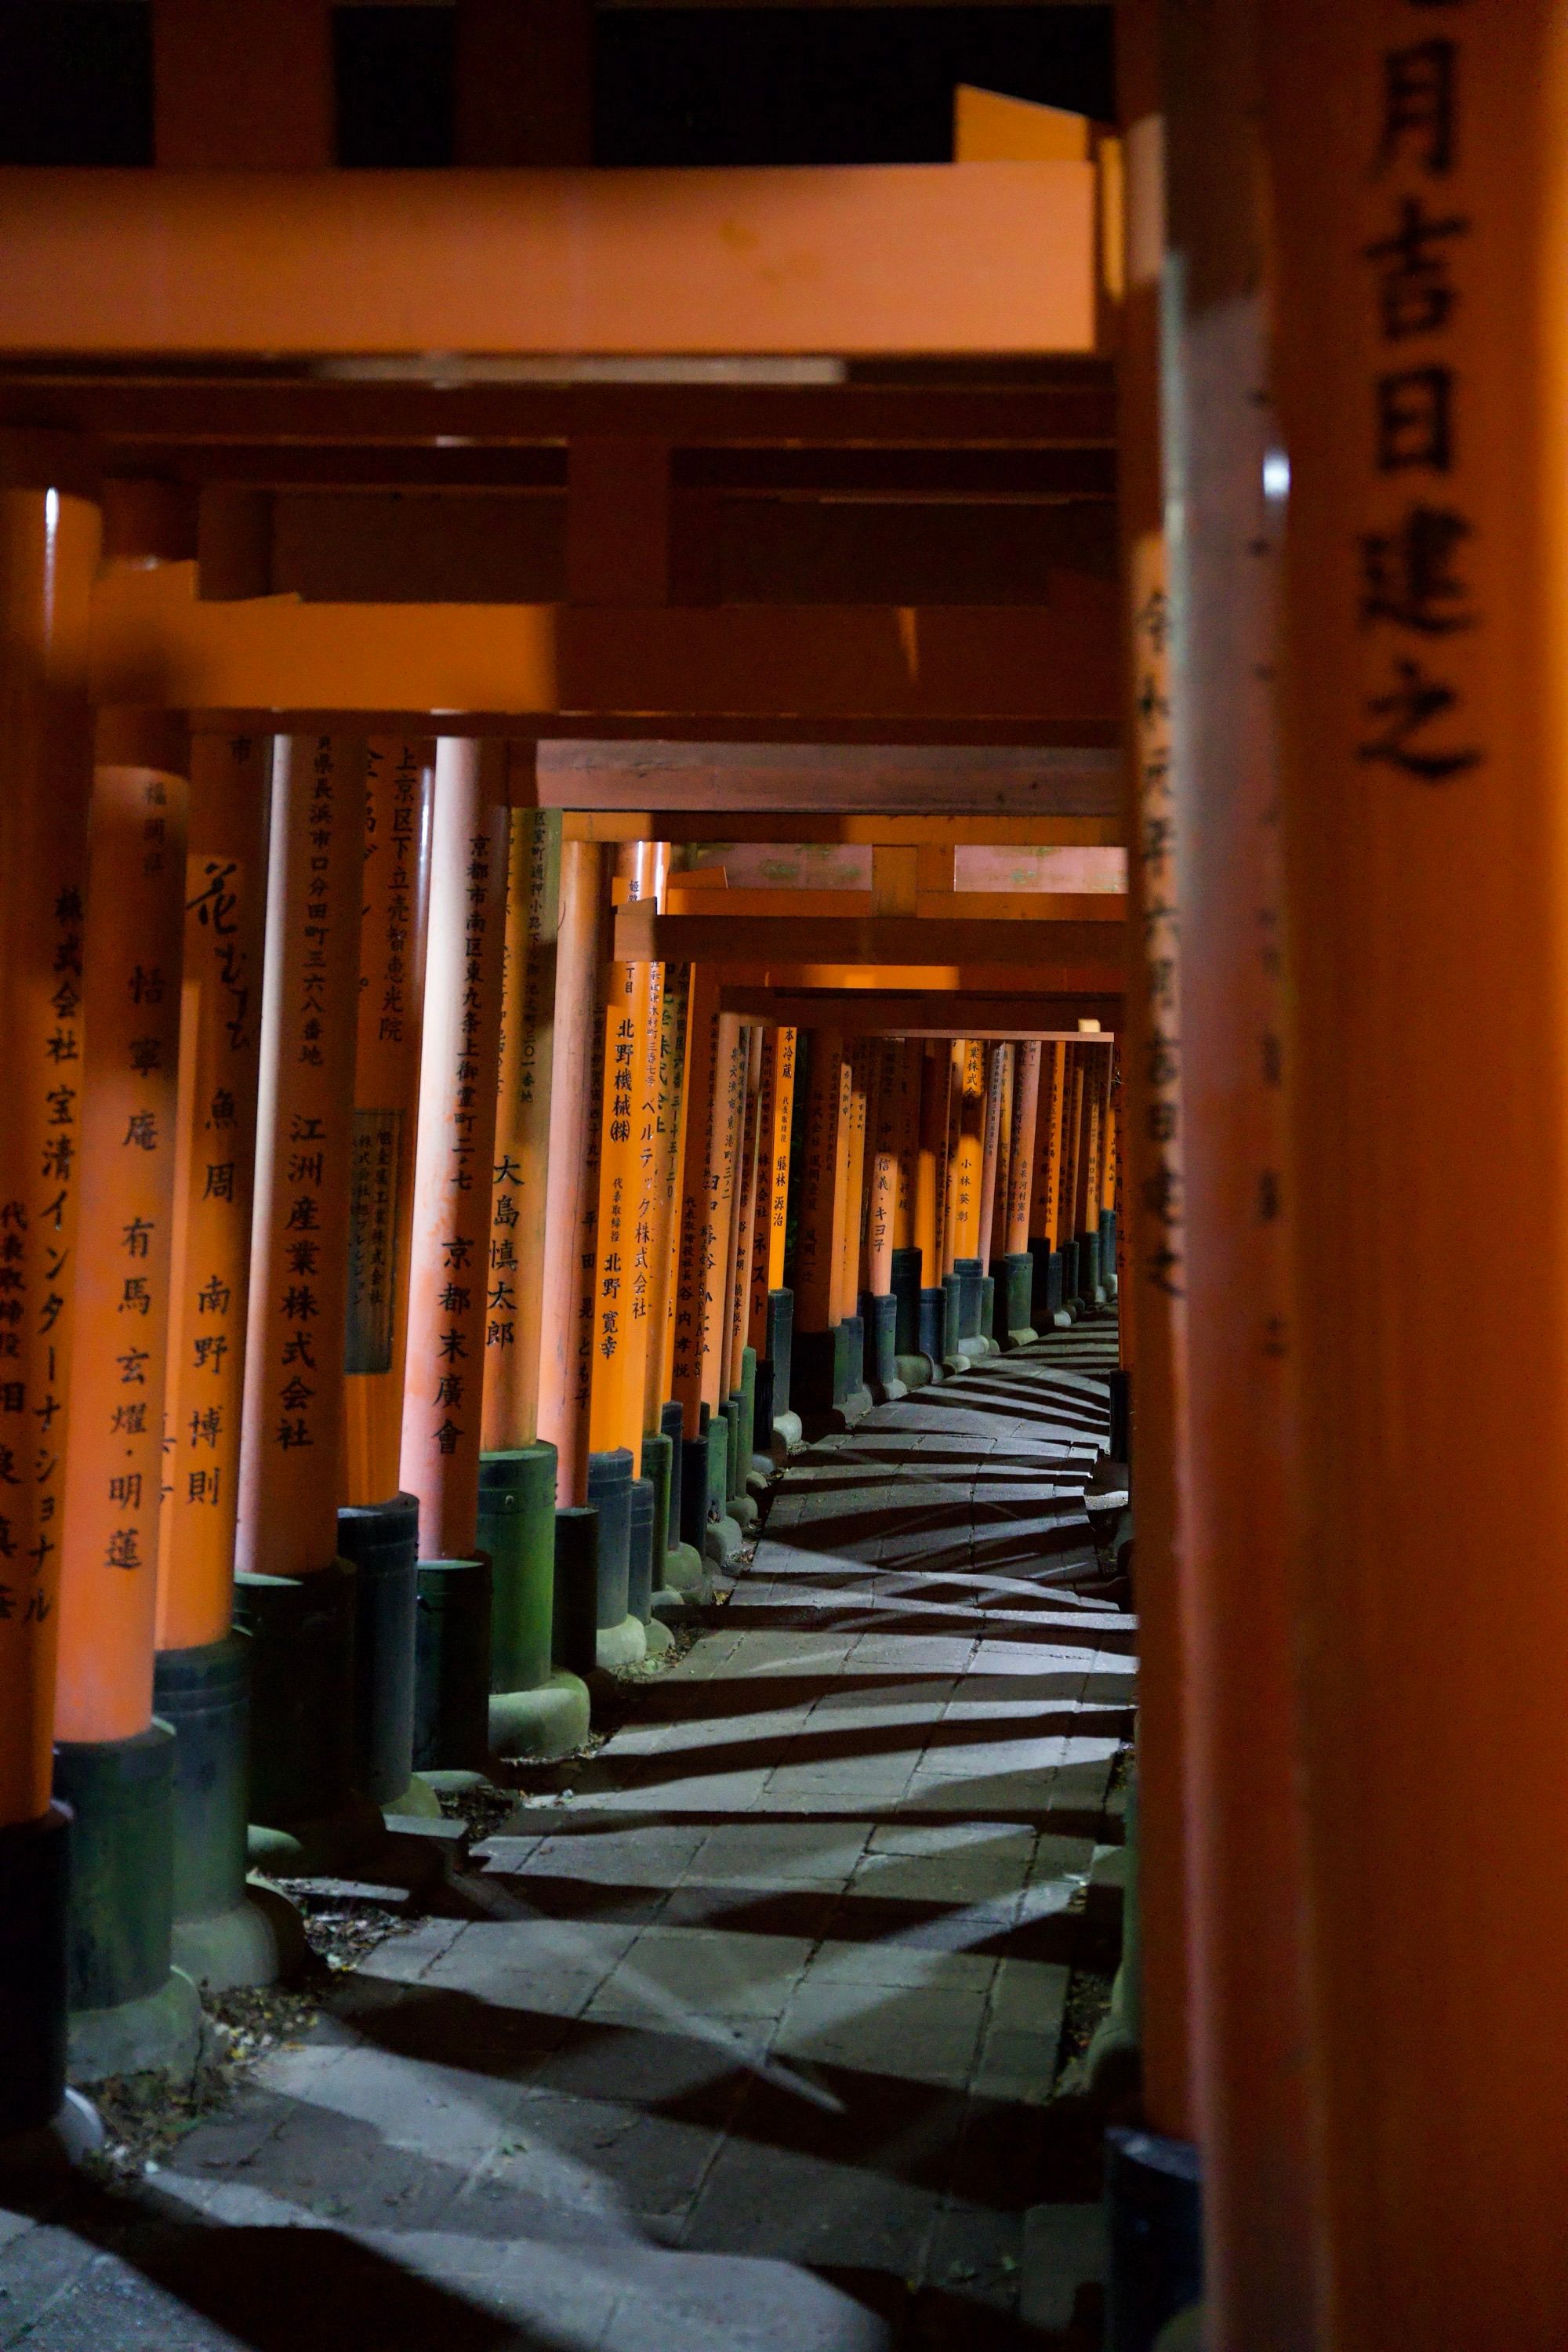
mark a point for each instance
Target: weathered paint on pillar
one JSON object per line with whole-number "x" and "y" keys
{"x": 112, "y": 1436}
{"x": 49, "y": 542}
{"x": 614, "y": 1411}
{"x": 954, "y": 1056}
{"x": 214, "y": 1164}
{"x": 292, "y": 1434}
{"x": 648, "y": 872}
{"x": 819, "y": 1235}
{"x": 572, "y": 1117}
{"x": 1045, "y": 1198}
{"x": 1421, "y": 246}
{"x": 906, "y": 1136}
{"x": 1021, "y": 1145}
{"x": 448, "y": 1263}
{"x": 513, "y": 1302}
{"x": 399, "y": 780}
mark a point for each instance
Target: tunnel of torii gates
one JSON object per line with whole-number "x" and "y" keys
{"x": 440, "y": 1161}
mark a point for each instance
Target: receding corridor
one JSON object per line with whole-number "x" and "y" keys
{"x": 751, "y": 2040}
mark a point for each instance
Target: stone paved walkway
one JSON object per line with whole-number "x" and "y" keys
{"x": 748, "y": 2042}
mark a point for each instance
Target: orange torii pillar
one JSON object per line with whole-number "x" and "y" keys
{"x": 50, "y": 534}
{"x": 724, "y": 1188}
{"x": 448, "y": 1282}
{"x": 1048, "y": 1310}
{"x": 225, "y": 1932}
{"x": 741, "y": 1398}
{"x": 1096, "y": 1111}
{"x": 851, "y": 1397}
{"x": 573, "y": 1122}
{"x": 935, "y": 1077}
{"x": 902, "y": 1074}
{"x": 819, "y": 1232}
{"x": 663, "y": 1416}
{"x": 1423, "y": 744}
{"x": 1075, "y": 1115}
{"x": 625, "y": 1496}
{"x": 690, "y": 1288}
{"x": 772, "y": 1304}
{"x": 715, "y": 1064}
{"x": 879, "y": 1305}
{"x": 539, "y": 1700}
{"x": 1149, "y": 2026}
{"x": 998, "y": 1114}
{"x": 378, "y": 1525}
{"x": 294, "y": 1595}
{"x": 1016, "y": 1314}
{"x": 114, "y": 1764}
{"x": 965, "y": 1177}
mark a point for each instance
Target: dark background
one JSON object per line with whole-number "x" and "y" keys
{"x": 671, "y": 85}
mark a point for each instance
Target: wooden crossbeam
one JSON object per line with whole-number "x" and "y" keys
{"x": 721, "y": 825}
{"x": 925, "y": 785}
{"x": 1076, "y": 957}
{"x": 894, "y": 259}
{"x": 867, "y": 1013}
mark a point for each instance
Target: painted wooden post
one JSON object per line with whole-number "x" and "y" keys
{"x": 850, "y": 1393}
{"x": 820, "y": 1233}
{"x": 1015, "y": 1323}
{"x": 966, "y": 1186}
{"x": 399, "y": 782}
{"x": 51, "y": 534}
{"x": 449, "y": 1266}
{"x": 1045, "y": 1233}
{"x": 572, "y": 1115}
{"x": 1155, "y": 1997}
{"x": 113, "y": 1764}
{"x": 663, "y": 1415}
{"x": 743, "y": 1368}
{"x": 512, "y": 1326}
{"x": 909, "y": 1365}
{"x": 879, "y": 1305}
{"x": 1418, "y": 333}
{"x": 223, "y": 1935}
{"x": 293, "y": 1595}
{"x": 773, "y": 1305}
{"x": 997, "y": 1068}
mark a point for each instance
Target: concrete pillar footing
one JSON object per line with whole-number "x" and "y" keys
{"x": 914, "y": 1371}
{"x": 660, "y": 1639}
{"x": 788, "y": 1435}
{"x": 722, "y": 1541}
{"x": 418, "y": 1801}
{"x": 160, "y": 2032}
{"x": 1185, "y": 2333}
{"x": 743, "y": 1510}
{"x": 258, "y": 1941}
{"x": 541, "y": 1724}
{"x": 683, "y": 1568}
{"x": 622, "y": 1645}
{"x": 74, "y": 2132}
{"x": 1025, "y": 1336}
{"x": 1063, "y": 1319}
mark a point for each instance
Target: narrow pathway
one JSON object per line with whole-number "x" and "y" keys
{"x": 749, "y": 2041}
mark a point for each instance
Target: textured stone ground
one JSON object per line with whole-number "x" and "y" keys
{"x": 751, "y": 2042}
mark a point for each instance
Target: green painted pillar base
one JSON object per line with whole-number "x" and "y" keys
{"x": 985, "y": 1338}
{"x": 517, "y": 1530}
{"x": 1015, "y": 1325}
{"x": 721, "y": 1535}
{"x": 739, "y": 1500}
{"x": 574, "y": 1643}
{"x": 622, "y": 1645}
{"x": 452, "y": 1670}
{"x": 383, "y": 1541}
{"x": 225, "y": 1932}
{"x": 955, "y": 1356}
{"x": 301, "y": 1632}
{"x": 130, "y": 2011}
{"x": 879, "y": 1320}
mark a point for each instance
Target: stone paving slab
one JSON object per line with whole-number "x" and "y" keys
{"x": 751, "y": 2041}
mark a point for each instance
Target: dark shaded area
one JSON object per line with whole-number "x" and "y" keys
{"x": 829, "y": 85}
{"x": 396, "y": 73}
{"x": 76, "y": 83}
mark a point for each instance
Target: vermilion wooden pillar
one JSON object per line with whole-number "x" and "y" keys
{"x": 1153, "y": 1306}
{"x": 772, "y": 1313}
{"x": 449, "y": 1261}
{"x": 50, "y": 537}
{"x": 220, "y": 1037}
{"x": 297, "y": 1605}
{"x": 570, "y": 1111}
{"x": 399, "y": 785}
{"x": 1421, "y": 353}
{"x": 1018, "y": 1328}
{"x": 128, "y": 1079}
{"x": 512, "y": 1323}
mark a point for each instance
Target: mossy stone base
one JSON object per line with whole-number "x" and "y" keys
{"x": 722, "y": 1540}
{"x": 258, "y": 1941}
{"x": 683, "y": 1570}
{"x": 621, "y": 1645}
{"x": 543, "y": 1723}
{"x": 660, "y": 1641}
{"x": 160, "y": 2033}
{"x": 417, "y": 1801}
{"x": 343, "y": 1844}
